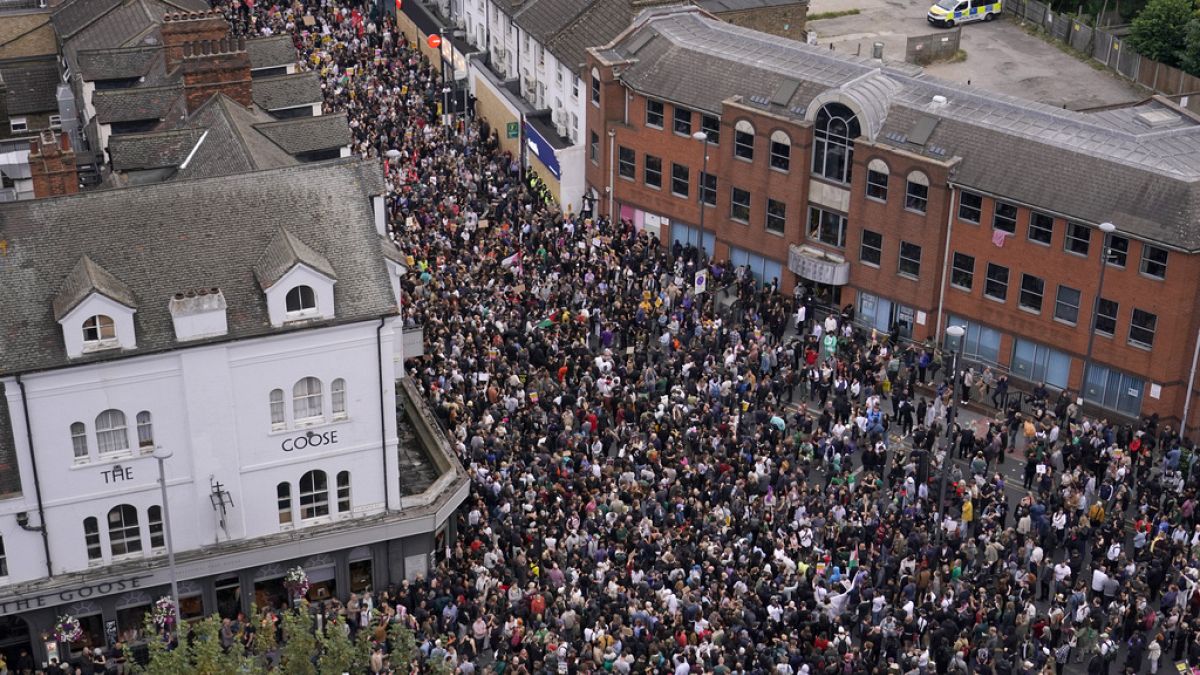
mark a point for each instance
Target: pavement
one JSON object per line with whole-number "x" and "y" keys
{"x": 1000, "y": 55}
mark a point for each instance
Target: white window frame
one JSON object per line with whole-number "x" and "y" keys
{"x": 154, "y": 527}
{"x": 91, "y": 539}
{"x": 337, "y": 398}
{"x": 343, "y": 492}
{"x": 112, "y": 437}
{"x": 125, "y": 534}
{"x": 145, "y": 429}
{"x": 79, "y": 442}
{"x": 318, "y": 496}
{"x": 103, "y": 332}
{"x": 312, "y": 398}
{"x": 302, "y": 310}
{"x": 283, "y": 503}
{"x": 18, "y": 124}
{"x": 278, "y": 410}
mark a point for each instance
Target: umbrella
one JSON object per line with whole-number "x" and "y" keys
{"x": 393, "y": 153}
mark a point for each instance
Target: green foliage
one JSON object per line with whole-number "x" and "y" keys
{"x": 1189, "y": 60}
{"x": 162, "y": 661}
{"x": 1159, "y": 32}
{"x": 299, "y": 642}
{"x": 338, "y": 654}
{"x": 404, "y": 647}
{"x": 201, "y": 654}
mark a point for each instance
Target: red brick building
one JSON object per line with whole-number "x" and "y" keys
{"x": 921, "y": 203}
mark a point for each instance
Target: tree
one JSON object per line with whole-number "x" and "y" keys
{"x": 1189, "y": 60}
{"x": 163, "y": 661}
{"x": 299, "y": 642}
{"x": 338, "y": 654}
{"x": 404, "y": 647}
{"x": 1160, "y": 29}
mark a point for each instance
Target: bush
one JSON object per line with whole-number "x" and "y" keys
{"x": 1160, "y": 31}
{"x": 1189, "y": 60}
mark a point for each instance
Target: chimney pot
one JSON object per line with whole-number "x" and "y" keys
{"x": 202, "y": 292}
{"x": 214, "y": 290}
{"x": 191, "y": 294}
{"x": 179, "y": 296}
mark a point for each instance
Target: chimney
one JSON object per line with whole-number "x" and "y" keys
{"x": 52, "y": 166}
{"x": 181, "y": 28}
{"x": 198, "y": 314}
{"x": 216, "y": 67}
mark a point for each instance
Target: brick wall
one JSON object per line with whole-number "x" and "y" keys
{"x": 179, "y": 29}
{"x": 221, "y": 67}
{"x": 783, "y": 20}
{"x": 52, "y": 166}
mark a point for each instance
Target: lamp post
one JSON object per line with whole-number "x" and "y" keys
{"x": 162, "y": 454}
{"x": 1107, "y": 229}
{"x": 446, "y": 114}
{"x": 702, "y": 136}
{"x": 957, "y": 333}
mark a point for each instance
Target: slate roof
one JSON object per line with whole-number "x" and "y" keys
{"x": 73, "y": 16}
{"x": 1147, "y": 181}
{"x": 31, "y": 86}
{"x": 26, "y": 35}
{"x": 117, "y": 64}
{"x": 205, "y": 233}
{"x": 308, "y": 134}
{"x": 273, "y": 51}
{"x": 718, "y": 6}
{"x": 137, "y": 103}
{"x": 285, "y": 251}
{"x": 232, "y": 144}
{"x": 287, "y": 91}
{"x": 154, "y": 150}
{"x": 86, "y": 278}
{"x": 392, "y": 252}
{"x": 598, "y": 24}
{"x": 543, "y": 19}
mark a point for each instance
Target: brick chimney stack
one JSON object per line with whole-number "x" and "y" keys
{"x": 52, "y": 166}
{"x": 181, "y": 28}
{"x": 216, "y": 67}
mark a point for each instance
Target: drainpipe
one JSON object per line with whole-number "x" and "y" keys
{"x": 37, "y": 483}
{"x": 612, "y": 142}
{"x": 1187, "y": 402}
{"x": 383, "y": 412}
{"x": 937, "y": 328}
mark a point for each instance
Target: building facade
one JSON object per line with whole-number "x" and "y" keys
{"x": 261, "y": 356}
{"x": 917, "y": 202}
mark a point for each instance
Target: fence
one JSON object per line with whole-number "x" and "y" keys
{"x": 925, "y": 49}
{"x": 1109, "y": 48}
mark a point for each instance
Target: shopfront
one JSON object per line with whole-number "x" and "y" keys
{"x": 820, "y": 272}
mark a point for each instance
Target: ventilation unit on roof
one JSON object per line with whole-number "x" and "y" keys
{"x": 1157, "y": 119}
{"x": 938, "y": 101}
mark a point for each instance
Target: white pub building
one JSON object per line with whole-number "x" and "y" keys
{"x": 247, "y": 329}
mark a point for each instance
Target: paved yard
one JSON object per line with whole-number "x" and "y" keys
{"x": 1001, "y": 56}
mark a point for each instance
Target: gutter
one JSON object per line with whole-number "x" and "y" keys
{"x": 37, "y": 484}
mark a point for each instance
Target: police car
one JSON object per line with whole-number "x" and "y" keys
{"x": 949, "y": 13}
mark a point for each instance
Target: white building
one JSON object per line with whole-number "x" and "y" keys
{"x": 247, "y": 324}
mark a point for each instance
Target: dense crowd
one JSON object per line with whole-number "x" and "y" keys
{"x": 665, "y": 484}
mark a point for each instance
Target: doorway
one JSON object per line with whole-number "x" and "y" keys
{"x": 14, "y": 638}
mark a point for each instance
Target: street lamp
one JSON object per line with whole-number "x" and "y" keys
{"x": 446, "y": 115}
{"x": 1107, "y": 229}
{"x": 957, "y": 333}
{"x": 702, "y": 136}
{"x": 162, "y": 454}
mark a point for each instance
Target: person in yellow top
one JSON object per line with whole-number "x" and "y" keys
{"x": 968, "y": 512}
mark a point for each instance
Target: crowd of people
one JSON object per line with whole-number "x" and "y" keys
{"x": 665, "y": 483}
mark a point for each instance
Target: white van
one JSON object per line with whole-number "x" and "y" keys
{"x": 949, "y": 13}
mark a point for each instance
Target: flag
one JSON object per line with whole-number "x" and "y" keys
{"x": 998, "y": 237}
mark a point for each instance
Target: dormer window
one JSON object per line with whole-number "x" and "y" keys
{"x": 301, "y": 301}
{"x": 99, "y": 332}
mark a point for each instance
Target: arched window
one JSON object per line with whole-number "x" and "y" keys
{"x": 277, "y": 419}
{"x": 781, "y": 150}
{"x": 154, "y": 522}
{"x": 743, "y": 140}
{"x": 314, "y": 495}
{"x": 306, "y": 400}
{"x": 833, "y": 146}
{"x": 877, "y": 179}
{"x": 916, "y": 196}
{"x": 91, "y": 537}
{"x": 99, "y": 328}
{"x": 300, "y": 299}
{"x": 123, "y": 534}
{"x": 337, "y": 396}
{"x": 110, "y": 432}
{"x": 145, "y": 430}
{"x": 343, "y": 492}
{"x": 283, "y": 495}
{"x": 79, "y": 440}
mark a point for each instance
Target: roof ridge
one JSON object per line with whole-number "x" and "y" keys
{"x": 136, "y": 90}
{"x": 234, "y": 127}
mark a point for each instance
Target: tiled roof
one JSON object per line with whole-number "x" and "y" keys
{"x": 1151, "y": 176}
{"x": 117, "y": 64}
{"x": 284, "y": 252}
{"x": 232, "y": 144}
{"x": 718, "y": 6}
{"x": 543, "y": 19}
{"x": 158, "y": 239}
{"x": 154, "y": 150}
{"x": 31, "y": 86}
{"x": 86, "y": 278}
{"x": 138, "y": 103}
{"x": 73, "y": 16}
{"x": 597, "y": 25}
{"x": 308, "y": 134}
{"x": 286, "y": 91}
{"x": 26, "y": 35}
{"x": 273, "y": 51}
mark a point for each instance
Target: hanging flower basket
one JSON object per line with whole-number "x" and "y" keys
{"x": 296, "y": 581}
{"x": 67, "y": 629}
{"x": 163, "y": 613}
